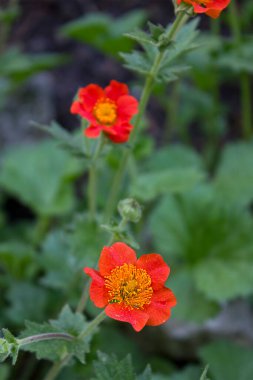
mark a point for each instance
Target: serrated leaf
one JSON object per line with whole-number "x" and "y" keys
{"x": 150, "y": 185}
{"x": 40, "y": 176}
{"x": 228, "y": 361}
{"x": 109, "y": 367}
{"x": 189, "y": 373}
{"x": 72, "y": 143}
{"x": 68, "y": 322}
{"x": 210, "y": 239}
{"x": 67, "y": 247}
{"x": 234, "y": 177}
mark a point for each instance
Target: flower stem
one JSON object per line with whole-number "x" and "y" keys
{"x": 181, "y": 18}
{"x": 244, "y": 77}
{"x": 57, "y": 367}
{"x": 46, "y": 336}
{"x": 92, "y": 185}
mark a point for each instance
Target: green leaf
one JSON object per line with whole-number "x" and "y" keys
{"x": 228, "y": 361}
{"x": 210, "y": 239}
{"x": 9, "y": 347}
{"x": 40, "y": 176}
{"x": 18, "y": 259}
{"x": 18, "y": 66}
{"x": 68, "y": 322}
{"x": 72, "y": 143}
{"x": 189, "y": 373}
{"x": 150, "y": 185}
{"x": 237, "y": 58}
{"x": 109, "y": 367}
{"x": 234, "y": 177}
{"x": 175, "y": 169}
{"x": 104, "y": 32}
{"x": 74, "y": 247}
{"x": 22, "y": 296}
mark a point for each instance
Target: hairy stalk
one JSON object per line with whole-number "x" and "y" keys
{"x": 46, "y": 336}
{"x": 117, "y": 181}
{"x": 92, "y": 185}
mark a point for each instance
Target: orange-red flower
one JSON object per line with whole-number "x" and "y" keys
{"x": 212, "y": 8}
{"x": 132, "y": 290}
{"x": 109, "y": 110}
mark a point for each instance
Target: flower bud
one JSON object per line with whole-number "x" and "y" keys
{"x": 130, "y": 210}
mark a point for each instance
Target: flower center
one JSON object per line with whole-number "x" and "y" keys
{"x": 105, "y": 111}
{"x": 130, "y": 286}
{"x": 203, "y": 2}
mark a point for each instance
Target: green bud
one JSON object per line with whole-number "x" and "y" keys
{"x": 130, "y": 210}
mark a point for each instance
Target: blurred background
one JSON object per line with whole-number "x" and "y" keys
{"x": 195, "y": 180}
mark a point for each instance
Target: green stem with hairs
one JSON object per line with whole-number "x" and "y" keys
{"x": 180, "y": 20}
{"x": 92, "y": 184}
{"x": 46, "y": 336}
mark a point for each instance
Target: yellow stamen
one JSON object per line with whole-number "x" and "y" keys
{"x": 105, "y": 111}
{"x": 130, "y": 286}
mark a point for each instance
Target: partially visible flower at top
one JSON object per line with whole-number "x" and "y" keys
{"x": 132, "y": 290}
{"x": 212, "y": 8}
{"x": 109, "y": 110}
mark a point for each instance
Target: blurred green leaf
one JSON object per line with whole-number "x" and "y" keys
{"x": 41, "y": 177}
{"x": 210, "y": 239}
{"x": 228, "y": 361}
{"x": 17, "y": 259}
{"x": 174, "y": 169}
{"x": 22, "y": 296}
{"x": 234, "y": 177}
{"x": 4, "y": 372}
{"x": 189, "y": 373}
{"x": 18, "y": 66}
{"x": 68, "y": 322}
{"x": 76, "y": 246}
{"x": 237, "y": 58}
{"x": 71, "y": 142}
{"x": 103, "y": 32}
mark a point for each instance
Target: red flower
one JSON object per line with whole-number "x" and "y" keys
{"x": 212, "y": 8}
{"x": 109, "y": 110}
{"x": 132, "y": 290}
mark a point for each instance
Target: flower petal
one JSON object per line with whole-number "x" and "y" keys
{"x": 159, "y": 309}
{"x": 116, "y": 255}
{"x": 89, "y": 95}
{"x": 127, "y": 107}
{"x": 93, "y": 131}
{"x": 98, "y": 292}
{"x": 137, "y": 318}
{"x": 116, "y": 89}
{"x": 156, "y": 267}
{"x": 119, "y": 133}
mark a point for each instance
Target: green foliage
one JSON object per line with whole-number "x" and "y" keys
{"x": 9, "y": 347}
{"x": 171, "y": 67}
{"x": 68, "y": 322}
{"x": 208, "y": 242}
{"x": 40, "y": 176}
{"x": 17, "y": 66}
{"x": 74, "y": 247}
{"x": 234, "y": 176}
{"x": 176, "y": 169}
{"x": 228, "y": 361}
{"x": 109, "y": 367}
{"x": 237, "y": 58}
{"x": 17, "y": 259}
{"x": 103, "y": 32}
{"x": 71, "y": 142}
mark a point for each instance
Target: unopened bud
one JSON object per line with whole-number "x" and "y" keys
{"x": 130, "y": 210}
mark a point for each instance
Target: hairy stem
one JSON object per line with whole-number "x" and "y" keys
{"x": 117, "y": 181}
{"x": 46, "y": 336}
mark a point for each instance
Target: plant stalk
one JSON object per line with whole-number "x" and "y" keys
{"x": 180, "y": 20}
